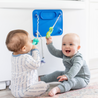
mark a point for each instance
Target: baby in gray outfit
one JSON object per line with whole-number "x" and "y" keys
{"x": 76, "y": 74}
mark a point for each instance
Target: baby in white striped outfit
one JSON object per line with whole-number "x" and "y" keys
{"x": 25, "y": 60}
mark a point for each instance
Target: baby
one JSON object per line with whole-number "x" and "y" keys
{"x": 25, "y": 60}
{"x": 76, "y": 74}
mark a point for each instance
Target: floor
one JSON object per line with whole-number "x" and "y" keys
{"x": 93, "y": 65}
{"x": 6, "y": 93}
{"x": 91, "y": 91}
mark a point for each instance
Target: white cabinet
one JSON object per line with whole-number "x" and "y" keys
{"x": 94, "y": 1}
{"x": 11, "y": 19}
{"x": 93, "y": 40}
{"x": 93, "y": 32}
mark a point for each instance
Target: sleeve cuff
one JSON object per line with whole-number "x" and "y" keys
{"x": 67, "y": 77}
{"x": 49, "y": 44}
{"x": 34, "y": 49}
{"x": 62, "y": 88}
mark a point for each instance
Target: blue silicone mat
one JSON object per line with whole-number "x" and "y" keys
{"x": 47, "y": 18}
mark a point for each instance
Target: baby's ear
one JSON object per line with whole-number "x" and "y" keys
{"x": 78, "y": 47}
{"x": 23, "y": 48}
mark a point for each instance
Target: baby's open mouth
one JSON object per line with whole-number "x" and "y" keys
{"x": 68, "y": 51}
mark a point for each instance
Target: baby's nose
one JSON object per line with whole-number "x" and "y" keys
{"x": 67, "y": 45}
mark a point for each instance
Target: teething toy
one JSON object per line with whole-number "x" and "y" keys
{"x": 51, "y": 28}
{"x": 49, "y": 32}
{"x": 35, "y": 41}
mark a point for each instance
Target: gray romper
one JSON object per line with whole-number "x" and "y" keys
{"x": 76, "y": 70}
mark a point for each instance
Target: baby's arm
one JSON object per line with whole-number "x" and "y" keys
{"x": 52, "y": 49}
{"x": 34, "y": 47}
{"x": 33, "y": 61}
{"x": 35, "y": 52}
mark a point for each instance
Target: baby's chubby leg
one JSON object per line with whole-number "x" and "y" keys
{"x": 52, "y": 92}
{"x": 51, "y": 77}
{"x": 75, "y": 83}
{"x": 36, "y": 89}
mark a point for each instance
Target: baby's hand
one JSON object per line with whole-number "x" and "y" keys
{"x": 34, "y": 47}
{"x": 62, "y": 78}
{"x": 49, "y": 40}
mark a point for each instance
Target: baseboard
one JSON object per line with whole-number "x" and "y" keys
{"x": 2, "y": 85}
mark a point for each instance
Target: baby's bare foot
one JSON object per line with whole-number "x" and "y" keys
{"x": 54, "y": 91}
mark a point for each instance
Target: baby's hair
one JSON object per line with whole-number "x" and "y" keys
{"x": 74, "y": 35}
{"x": 16, "y": 39}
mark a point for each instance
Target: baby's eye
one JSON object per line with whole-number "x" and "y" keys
{"x": 64, "y": 44}
{"x": 71, "y": 44}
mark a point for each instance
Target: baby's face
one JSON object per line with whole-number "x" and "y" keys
{"x": 69, "y": 45}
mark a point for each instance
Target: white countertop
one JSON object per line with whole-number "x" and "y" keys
{"x": 52, "y": 4}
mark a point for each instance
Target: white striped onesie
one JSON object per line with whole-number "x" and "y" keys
{"x": 24, "y": 82}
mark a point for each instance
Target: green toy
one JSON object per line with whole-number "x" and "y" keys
{"x": 49, "y": 32}
{"x": 35, "y": 41}
{"x": 51, "y": 28}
